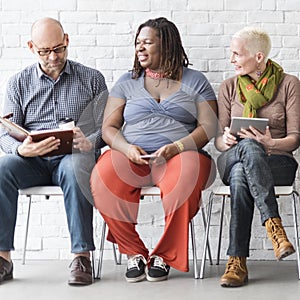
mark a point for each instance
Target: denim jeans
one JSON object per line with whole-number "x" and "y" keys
{"x": 70, "y": 172}
{"x": 252, "y": 174}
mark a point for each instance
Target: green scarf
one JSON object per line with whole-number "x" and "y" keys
{"x": 255, "y": 95}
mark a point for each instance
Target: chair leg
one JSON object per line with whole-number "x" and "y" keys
{"x": 101, "y": 250}
{"x": 26, "y": 230}
{"x": 118, "y": 260}
{"x": 209, "y": 209}
{"x": 295, "y": 196}
{"x": 221, "y": 229}
{"x": 93, "y": 265}
{"x": 208, "y": 244}
{"x": 194, "y": 249}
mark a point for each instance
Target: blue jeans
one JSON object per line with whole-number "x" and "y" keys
{"x": 71, "y": 172}
{"x": 252, "y": 174}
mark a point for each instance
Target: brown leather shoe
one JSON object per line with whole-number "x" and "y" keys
{"x": 6, "y": 269}
{"x": 236, "y": 273}
{"x": 81, "y": 271}
{"x": 281, "y": 245}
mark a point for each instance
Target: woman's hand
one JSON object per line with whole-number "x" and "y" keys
{"x": 165, "y": 153}
{"x": 134, "y": 153}
{"x": 228, "y": 139}
{"x": 264, "y": 138}
{"x": 162, "y": 155}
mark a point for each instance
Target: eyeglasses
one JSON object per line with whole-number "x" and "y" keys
{"x": 45, "y": 52}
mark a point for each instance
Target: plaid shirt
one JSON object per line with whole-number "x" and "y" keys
{"x": 38, "y": 102}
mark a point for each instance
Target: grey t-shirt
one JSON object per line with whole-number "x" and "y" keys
{"x": 150, "y": 124}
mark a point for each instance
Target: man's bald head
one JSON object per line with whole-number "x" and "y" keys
{"x": 46, "y": 29}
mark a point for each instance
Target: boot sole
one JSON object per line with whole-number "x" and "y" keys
{"x": 286, "y": 254}
{"x": 234, "y": 284}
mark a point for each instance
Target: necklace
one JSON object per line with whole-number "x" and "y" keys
{"x": 154, "y": 75}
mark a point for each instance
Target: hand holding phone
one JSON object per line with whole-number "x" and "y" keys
{"x": 148, "y": 156}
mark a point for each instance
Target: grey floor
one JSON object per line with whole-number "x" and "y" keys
{"x": 46, "y": 279}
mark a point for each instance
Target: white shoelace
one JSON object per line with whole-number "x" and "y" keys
{"x": 159, "y": 262}
{"x": 133, "y": 261}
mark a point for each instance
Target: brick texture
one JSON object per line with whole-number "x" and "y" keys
{"x": 101, "y": 36}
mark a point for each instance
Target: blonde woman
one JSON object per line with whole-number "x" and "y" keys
{"x": 253, "y": 162}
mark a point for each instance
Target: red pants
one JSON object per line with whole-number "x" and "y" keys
{"x": 116, "y": 184}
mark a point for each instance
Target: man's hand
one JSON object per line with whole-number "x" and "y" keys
{"x": 31, "y": 149}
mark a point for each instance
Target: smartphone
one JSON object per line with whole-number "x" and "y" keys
{"x": 148, "y": 156}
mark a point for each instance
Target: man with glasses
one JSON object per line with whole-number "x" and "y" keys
{"x": 39, "y": 97}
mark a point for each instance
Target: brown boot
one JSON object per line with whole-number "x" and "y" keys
{"x": 236, "y": 273}
{"x": 281, "y": 245}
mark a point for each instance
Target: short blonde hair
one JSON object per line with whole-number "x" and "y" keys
{"x": 257, "y": 40}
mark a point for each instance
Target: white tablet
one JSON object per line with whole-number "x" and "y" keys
{"x": 239, "y": 122}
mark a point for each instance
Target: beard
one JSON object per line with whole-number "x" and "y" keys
{"x": 53, "y": 66}
{"x": 56, "y": 65}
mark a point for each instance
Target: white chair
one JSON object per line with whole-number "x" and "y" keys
{"x": 47, "y": 192}
{"x": 155, "y": 191}
{"x": 224, "y": 192}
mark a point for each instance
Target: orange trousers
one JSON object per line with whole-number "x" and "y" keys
{"x": 116, "y": 184}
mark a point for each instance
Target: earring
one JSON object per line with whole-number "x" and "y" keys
{"x": 258, "y": 72}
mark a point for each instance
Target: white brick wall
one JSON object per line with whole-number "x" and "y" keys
{"x": 101, "y": 36}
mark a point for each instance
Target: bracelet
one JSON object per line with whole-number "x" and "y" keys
{"x": 179, "y": 146}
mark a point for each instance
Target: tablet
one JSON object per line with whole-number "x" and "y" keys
{"x": 239, "y": 122}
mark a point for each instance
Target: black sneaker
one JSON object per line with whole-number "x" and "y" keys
{"x": 136, "y": 268}
{"x": 158, "y": 270}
